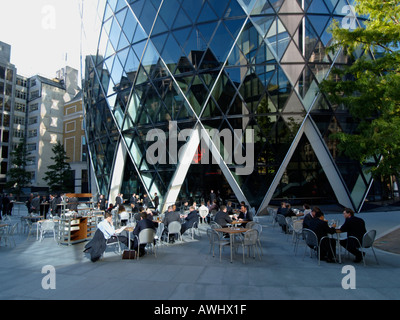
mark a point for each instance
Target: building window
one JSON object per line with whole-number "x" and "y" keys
{"x": 31, "y": 147}
{"x": 4, "y": 168}
{"x": 20, "y": 107}
{"x": 18, "y": 133}
{"x": 4, "y": 152}
{"x": 35, "y": 94}
{"x": 32, "y": 133}
{"x": 33, "y": 120}
{"x": 19, "y": 120}
{"x": 70, "y": 126}
{"x": 34, "y": 107}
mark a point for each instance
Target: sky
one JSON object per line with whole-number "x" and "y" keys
{"x": 44, "y": 35}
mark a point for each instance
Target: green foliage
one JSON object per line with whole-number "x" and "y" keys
{"x": 369, "y": 87}
{"x": 60, "y": 176}
{"x": 17, "y": 176}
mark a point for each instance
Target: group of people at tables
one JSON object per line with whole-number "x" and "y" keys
{"x": 107, "y": 234}
{"x": 314, "y": 220}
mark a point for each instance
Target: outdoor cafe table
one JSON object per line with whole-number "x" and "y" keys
{"x": 232, "y": 232}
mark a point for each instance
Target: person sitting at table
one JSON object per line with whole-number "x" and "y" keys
{"x": 307, "y": 219}
{"x": 123, "y": 215}
{"x": 354, "y": 227}
{"x": 106, "y": 226}
{"x": 222, "y": 217}
{"x": 321, "y": 228}
{"x": 170, "y": 216}
{"x": 289, "y": 212}
{"x": 143, "y": 223}
{"x": 190, "y": 219}
{"x": 244, "y": 215}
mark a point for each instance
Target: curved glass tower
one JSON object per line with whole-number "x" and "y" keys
{"x": 166, "y": 71}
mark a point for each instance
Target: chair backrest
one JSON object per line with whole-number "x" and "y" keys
{"x": 146, "y": 236}
{"x": 289, "y": 222}
{"x": 214, "y": 225}
{"x": 257, "y": 227}
{"x": 47, "y": 225}
{"x": 368, "y": 239}
{"x": 310, "y": 238}
{"x": 174, "y": 227}
{"x": 298, "y": 225}
{"x": 250, "y": 224}
{"x": 281, "y": 219}
{"x": 11, "y": 231}
{"x": 250, "y": 237}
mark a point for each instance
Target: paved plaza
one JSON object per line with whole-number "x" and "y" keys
{"x": 187, "y": 271}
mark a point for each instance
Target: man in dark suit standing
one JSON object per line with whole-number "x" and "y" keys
{"x": 156, "y": 201}
{"x": 354, "y": 227}
{"x": 142, "y": 224}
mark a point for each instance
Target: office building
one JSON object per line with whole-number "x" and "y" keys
{"x": 225, "y": 65}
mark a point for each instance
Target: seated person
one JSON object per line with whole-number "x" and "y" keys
{"x": 109, "y": 232}
{"x": 244, "y": 215}
{"x": 321, "y": 229}
{"x": 307, "y": 218}
{"x": 190, "y": 219}
{"x": 143, "y": 223}
{"x": 222, "y": 217}
{"x": 354, "y": 227}
{"x": 170, "y": 216}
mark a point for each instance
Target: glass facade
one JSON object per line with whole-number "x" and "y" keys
{"x": 223, "y": 65}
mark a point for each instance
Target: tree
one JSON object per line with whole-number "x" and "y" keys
{"x": 60, "y": 176}
{"x": 369, "y": 87}
{"x": 17, "y": 176}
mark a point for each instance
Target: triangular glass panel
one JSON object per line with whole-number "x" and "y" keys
{"x": 195, "y": 43}
{"x": 132, "y": 65}
{"x": 238, "y": 106}
{"x": 129, "y": 25}
{"x": 211, "y": 110}
{"x": 219, "y": 7}
{"x": 159, "y": 41}
{"x": 236, "y": 75}
{"x": 199, "y": 91}
{"x": 237, "y": 58}
{"x": 171, "y": 53}
{"x": 331, "y": 4}
{"x": 121, "y": 16}
{"x": 160, "y": 26}
{"x": 262, "y": 24}
{"x": 234, "y": 26}
{"x": 234, "y": 10}
{"x": 247, "y": 5}
{"x": 319, "y": 22}
{"x": 181, "y": 20}
{"x": 265, "y": 106}
{"x": 168, "y": 12}
{"x": 192, "y": 9}
{"x": 221, "y": 43}
{"x": 291, "y": 22}
{"x": 318, "y": 6}
{"x": 224, "y": 93}
{"x": 292, "y": 54}
{"x": 262, "y": 7}
{"x": 293, "y": 72}
{"x": 207, "y": 30}
{"x": 290, "y": 6}
{"x": 147, "y": 16}
{"x": 207, "y": 14}
{"x": 209, "y": 60}
{"x": 307, "y": 88}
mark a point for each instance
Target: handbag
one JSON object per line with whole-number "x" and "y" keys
{"x": 129, "y": 255}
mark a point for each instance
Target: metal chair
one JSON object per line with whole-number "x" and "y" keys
{"x": 281, "y": 221}
{"x": 46, "y": 226}
{"x": 175, "y": 228}
{"x": 258, "y": 227}
{"x": 146, "y": 236}
{"x": 116, "y": 245}
{"x": 297, "y": 233}
{"x": 249, "y": 240}
{"x": 367, "y": 242}
{"x": 9, "y": 234}
{"x": 312, "y": 242}
{"x": 215, "y": 238}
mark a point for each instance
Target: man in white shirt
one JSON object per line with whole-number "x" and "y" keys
{"x": 110, "y": 234}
